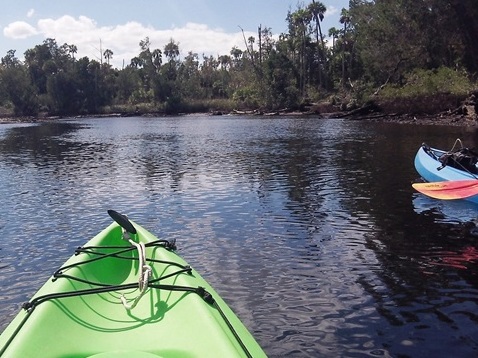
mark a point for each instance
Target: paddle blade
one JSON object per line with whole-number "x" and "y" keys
{"x": 448, "y": 190}
{"x": 122, "y": 221}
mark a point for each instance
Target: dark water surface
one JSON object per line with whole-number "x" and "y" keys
{"x": 309, "y": 228}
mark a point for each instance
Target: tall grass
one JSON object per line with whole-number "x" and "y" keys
{"x": 427, "y": 92}
{"x": 431, "y": 82}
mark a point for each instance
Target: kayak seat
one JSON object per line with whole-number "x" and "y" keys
{"x": 464, "y": 159}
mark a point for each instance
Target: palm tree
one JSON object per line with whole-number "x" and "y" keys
{"x": 344, "y": 19}
{"x": 236, "y": 53}
{"x": 298, "y": 25}
{"x": 136, "y": 62}
{"x": 171, "y": 50}
{"x": 108, "y": 54}
{"x": 157, "y": 58}
{"x": 317, "y": 10}
{"x": 72, "y": 49}
{"x": 334, "y": 34}
{"x": 225, "y": 62}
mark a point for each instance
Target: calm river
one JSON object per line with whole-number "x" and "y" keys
{"x": 309, "y": 228}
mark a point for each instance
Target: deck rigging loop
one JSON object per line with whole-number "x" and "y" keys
{"x": 144, "y": 271}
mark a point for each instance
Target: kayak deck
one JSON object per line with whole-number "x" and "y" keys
{"x": 79, "y": 312}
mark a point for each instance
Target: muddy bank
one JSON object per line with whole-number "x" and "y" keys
{"x": 446, "y": 118}
{"x": 442, "y": 109}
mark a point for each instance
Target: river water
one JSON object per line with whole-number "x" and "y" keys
{"x": 307, "y": 227}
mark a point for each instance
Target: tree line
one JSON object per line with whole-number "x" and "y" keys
{"x": 376, "y": 44}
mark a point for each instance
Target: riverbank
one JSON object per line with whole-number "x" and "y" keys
{"x": 465, "y": 114}
{"x": 445, "y": 119}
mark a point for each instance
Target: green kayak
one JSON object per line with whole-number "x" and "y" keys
{"x": 127, "y": 294}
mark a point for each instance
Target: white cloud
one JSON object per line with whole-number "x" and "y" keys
{"x": 331, "y": 11}
{"x": 66, "y": 26}
{"x": 124, "y": 39}
{"x": 30, "y": 13}
{"x": 19, "y": 30}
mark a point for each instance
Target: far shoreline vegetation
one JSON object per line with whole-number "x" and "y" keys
{"x": 399, "y": 59}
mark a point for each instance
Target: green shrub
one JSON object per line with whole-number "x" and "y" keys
{"x": 246, "y": 97}
{"x": 429, "y": 83}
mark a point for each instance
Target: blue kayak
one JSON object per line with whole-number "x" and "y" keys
{"x": 436, "y": 165}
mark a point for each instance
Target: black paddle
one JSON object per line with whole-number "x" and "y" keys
{"x": 122, "y": 221}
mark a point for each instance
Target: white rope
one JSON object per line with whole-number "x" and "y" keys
{"x": 144, "y": 274}
{"x": 458, "y": 140}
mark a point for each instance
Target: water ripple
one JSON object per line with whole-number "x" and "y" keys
{"x": 303, "y": 225}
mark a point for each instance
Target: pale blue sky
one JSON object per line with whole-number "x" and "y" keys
{"x": 200, "y": 26}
